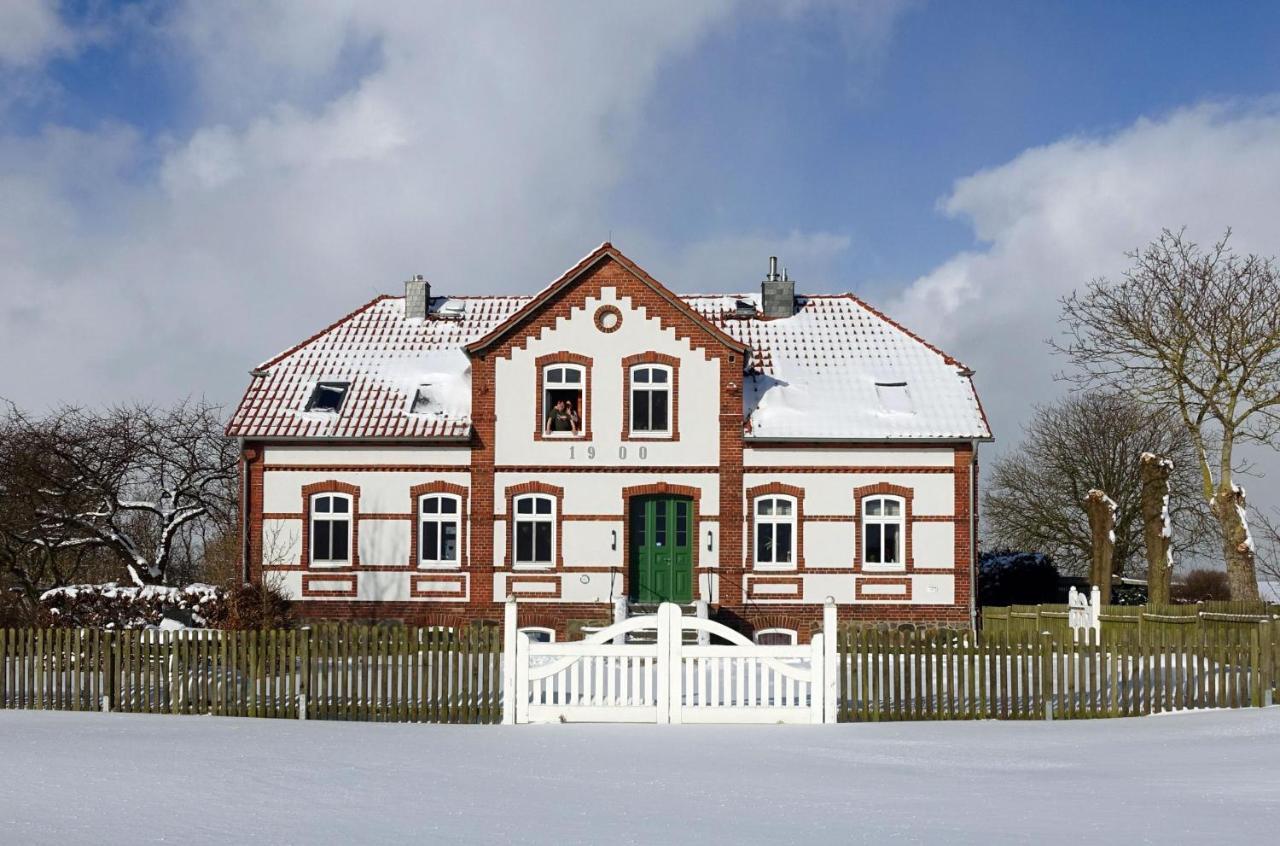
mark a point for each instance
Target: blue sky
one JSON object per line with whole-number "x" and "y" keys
{"x": 192, "y": 186}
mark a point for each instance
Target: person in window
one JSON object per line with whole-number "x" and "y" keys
{"x": 573, "y": 416}
{"x": 559, "y": 420}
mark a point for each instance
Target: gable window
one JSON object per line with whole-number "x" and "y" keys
{"x": 534, "y": 530}
{"x": 331, "y": 529}
{"x": 564, "y": 397}
{"x": 438, "y": 529}
{"x": 328, "y": 396}
{"x": 775, "y": 520}
{"x": 883, "y": 530}
{"x": 894, "y": 397}
{"x": 651, "y": 399}
{"x": 423, "y": 402}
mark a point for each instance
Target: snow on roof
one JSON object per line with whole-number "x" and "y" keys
{"x": 811, "y": 376}
{"x": 815, "y": 374}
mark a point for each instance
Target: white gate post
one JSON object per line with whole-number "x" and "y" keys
{"x": 703, "y": 612}
{"x": 663, "y": 663}
{"x": 522, "y": 678}
{"x": 509, "y": 662}
{"x": 817, "y": 678}
{"x": 830, "y": 661}
{"x": 1095, "y": 611}
{"x": 669, "y": 662}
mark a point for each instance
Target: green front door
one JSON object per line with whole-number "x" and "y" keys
{"x": 661, "y": 541}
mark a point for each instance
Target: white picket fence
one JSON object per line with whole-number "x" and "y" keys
{"x": 668, "y": 680}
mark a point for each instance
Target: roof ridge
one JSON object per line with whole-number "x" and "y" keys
{"x": 271, "y": 362}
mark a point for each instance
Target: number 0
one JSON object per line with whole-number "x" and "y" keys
{"x": 644, "y": 453}
{"x": 622, "y": 452}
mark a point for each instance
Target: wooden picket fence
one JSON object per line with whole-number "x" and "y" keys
{"x": 1144, "y": 621}
{"x": 328, "y": 672}
{"x": 949, "y": 675}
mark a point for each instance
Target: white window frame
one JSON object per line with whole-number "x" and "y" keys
{"x": 517, "y": 519}
{"x": 878, "y": 522}
{"x": 647, "y": 388}
{"x": 548, "y": 405}
{"x": 792, "y": 633}
{"x": 775, "y": 520}
{"x": 348, "y": 518}
{"x": 440, "y": 519}
{"x": 542, "y": 630}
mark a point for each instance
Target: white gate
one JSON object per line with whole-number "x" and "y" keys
{"x": 667, "y": 680}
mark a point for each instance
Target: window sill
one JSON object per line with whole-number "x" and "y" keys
{"x": 564, "y": 436}
{"x": 525, "y": 565}
{"x": 329, "y": 565}
{"x": 774, "y": 568}
{"x": 439, "y": 565}
{"x": 649, "y": 436}
{"x": 883, "y": 568}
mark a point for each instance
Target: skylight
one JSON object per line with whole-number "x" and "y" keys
{"x": 423, "y": 402}
{"x": 894, "y": 397}
{"x": 328, "y": 396}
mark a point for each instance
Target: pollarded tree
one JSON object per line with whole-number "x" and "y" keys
{"x": 1034, "y": 498}
{"x": 1195, "y": 333}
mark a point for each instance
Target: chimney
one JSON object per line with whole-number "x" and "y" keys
{"x": 417, "y": 297}
{"x": 777, "y": 293}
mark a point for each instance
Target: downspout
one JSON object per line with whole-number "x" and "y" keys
{"x": 973, "y": 538}
{"x": 244, "y": 513}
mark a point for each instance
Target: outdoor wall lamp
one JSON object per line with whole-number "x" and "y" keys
{"x": 709, "y": 540}
{"x": 614, "y": 532}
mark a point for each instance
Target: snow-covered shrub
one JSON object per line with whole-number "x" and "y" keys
{"x": 1014, "y": 577}
{"x": 115, "y": 606}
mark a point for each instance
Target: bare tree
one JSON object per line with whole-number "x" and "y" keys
{"x": 1196, "y": 332}
{"x": 1034, "y": 497}
{"x": 133, "y": 481}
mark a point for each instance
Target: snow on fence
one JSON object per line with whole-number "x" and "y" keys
{"x": 605, "y": 678}
{"x": 340, "y": 672}
{"x": 892, "y": 675}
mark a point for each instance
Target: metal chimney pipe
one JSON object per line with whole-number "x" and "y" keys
{"x": 773, "y": 268}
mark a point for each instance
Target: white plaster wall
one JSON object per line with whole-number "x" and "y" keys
{"x": 829, "y": 544}
{"x": 933, "y": 544}
{"x": 281, "y": 542}
{"x": 708, "y": 557}
{"x": 289, "y": 582}
{"x": 516, "y": 388}
{"x": 384, "y": 543}
{"x": 387, "y": 587}
{"x": 818, "y": 586}
{"x": 852, "y": 456}
{"x": 364, "y": 455}
{"x": 933, "y": 590}
{"x": 381, "y": 492}
{"x": 587, "y": 543}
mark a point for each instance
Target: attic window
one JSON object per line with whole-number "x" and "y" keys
{"x": 328, "y": 396}
{"x": 422, "y": 403}
{"x": 894, "y": 397}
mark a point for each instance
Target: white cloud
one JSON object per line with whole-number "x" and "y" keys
{"x": 31, "y": 31}
{"x": 1057, "y": 216}
{"x": 336, "y": 148}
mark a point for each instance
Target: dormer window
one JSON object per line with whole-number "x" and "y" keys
{"x": 328, "y": 396}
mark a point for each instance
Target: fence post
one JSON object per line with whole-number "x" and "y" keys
{"x": 1266, "y": 637}
{"x": 111, "y": 683}
{"x": 522, "y": 678}
{"x": 1255, "y": 667}
{"x": 830, "y": 661}
{"x": 670, "y": 694}
{"x": 702, "y": 611}
{"x": 304, "y": 673}
{"x": 817, "y": 679}
{"x": 509, "y": 661}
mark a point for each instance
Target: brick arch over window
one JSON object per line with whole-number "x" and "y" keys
{"x": 800, "y": 625}
{"x": 588, "y": 398}
{"x": 778, "y": 489}
{"x": 694, "y": 494}
{"x": 553, "y": 491}
{"x": 464, "y": 518}
{"x": 651, "y": 357}
{"x": 330, "y": 486}
{"x": 887, "y": 489}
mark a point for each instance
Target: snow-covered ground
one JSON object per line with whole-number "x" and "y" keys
{"x": 105, "y": 779}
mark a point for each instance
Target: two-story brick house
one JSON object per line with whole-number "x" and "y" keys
{"x": 606, "y": 441}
